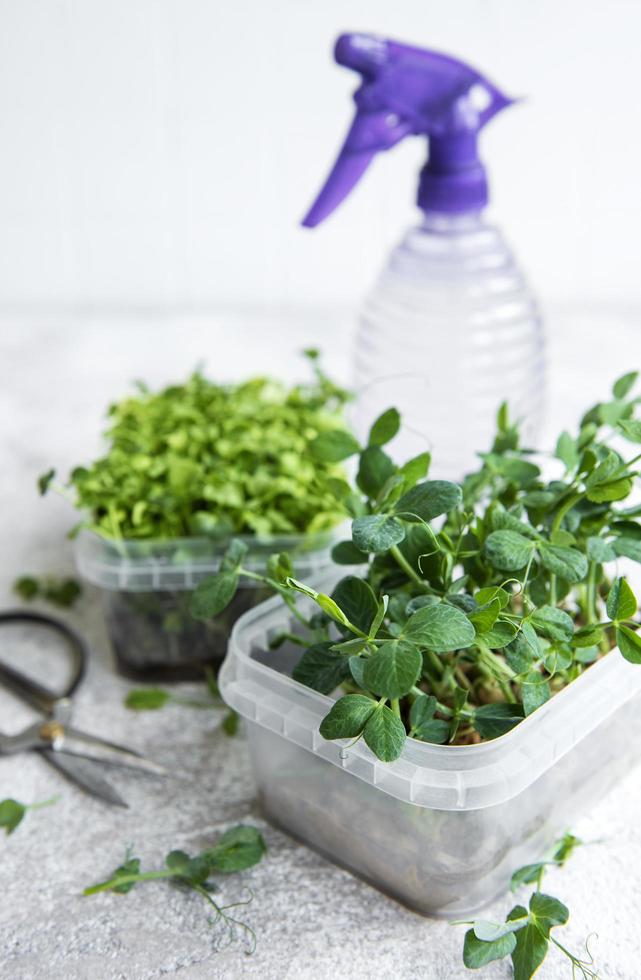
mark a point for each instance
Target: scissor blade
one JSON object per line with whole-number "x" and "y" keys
{"x": 100, "y": 750}
{"x": 83, "y": 772}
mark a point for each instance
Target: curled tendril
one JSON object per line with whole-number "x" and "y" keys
{"x": 231, "y": 923}
{"x": 580, "y": 968}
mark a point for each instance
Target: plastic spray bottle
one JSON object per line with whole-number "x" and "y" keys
{"x": 451, "y": 328}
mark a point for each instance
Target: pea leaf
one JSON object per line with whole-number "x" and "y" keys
{"x": 601, "y": 551}
{"x": 629, "y": 643}
{"x": 230, "y": 723}
{"x": 11, "y": 814}
{"x": 346, "y": 553}
{"x": 484, "y": 596}
{"x": 567, "y": 452}
{"x": 508, "y": 550}
{"x": 374, "y": 470}
{"x": 521, "y": 651}
{"x": 499, "y": 635}
{"x": 553, "y": 623}
{"x": 422, "y": 710}
{"x": 384, "y": 733}
{"x": 26, "y": 587}
{"x": 384, "y": 428}
{"x": 236, "y": 552}
{"x": 357, "y": 601}
{"x": 147, "y": 699}
{"x": 239, "y": 848}
{"x": 321, "y": 668}
{"x": 547, "y": 912}
{"x": 493, "y": 720}
{"x": 381, "y": 612}
{"x": 128, "y": 868}
{"x": 394, "y": 669}
{"x": 357, "y": 670}
{"x": 44, "y": 481}
{"x": 529, "y": 952}
{"x": 488, "y": 932}
{"x": 526, "y": 875}
{"x": 213, "y": 594}
{"x": 623, "y": 385}
{"x": 485, "y": 617}
{"x": 588, "y": 636}
{"x": 347, "y": 717}
{"x": 608, "y": 492}
{"x": 631, "y": 429}
{"x": 440, "y": 627}
{"x": 478, "y": 953}
{"x": 430, "y": 499}
{"x": 331, "y": 608}
{"x": 627, "y": 547}
{"x": 567, "y": 563}
{"x": 621, "y": 603}
{"x": 424, "y": 726}
{"x": 377, "y": 532}
{"x": 334, "y": 445}
{"x": 415, "y": 469}
{"x": 280, "y": 567}
{"x": 535, "y": 691}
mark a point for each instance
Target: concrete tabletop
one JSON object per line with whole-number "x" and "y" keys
{"x": 311, "y": 918}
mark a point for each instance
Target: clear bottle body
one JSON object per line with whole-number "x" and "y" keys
{"x": 450, "y": 331}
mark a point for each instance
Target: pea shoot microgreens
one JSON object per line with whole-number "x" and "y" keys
{"x": 526, "y": 934}
{"x": 237, "y": 849}
{"x": 201, "y": 458}
{"x": 155, "y": 698}
{"x": 61, "y": 592}
{"x": 12, "y": 813}
{"x": 455, "y": 631}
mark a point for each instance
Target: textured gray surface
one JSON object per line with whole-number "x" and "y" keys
{"x": 311, "y": 919}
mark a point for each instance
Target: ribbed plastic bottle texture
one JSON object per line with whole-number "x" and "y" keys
{"x": 450, "y": 331}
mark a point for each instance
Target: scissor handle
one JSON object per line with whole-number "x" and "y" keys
{"x": 30, "y": 690}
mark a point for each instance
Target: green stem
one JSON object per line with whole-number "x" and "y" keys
{"x": 526, "y": 577}
{"x": 562, "y": 511}
{"x": 462, "y": 677}
{"x": 42, "y": 803}
{"x": 402, "y": 561}
{"x": 436, "y": 662}
{"x": 106, "y": 886}
{"x": 281, "y": 589}
{"x": 591, "y": 594}
{"x": 395, "y": 707}
{"x": 193, "y": 703}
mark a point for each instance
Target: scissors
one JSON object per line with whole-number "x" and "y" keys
{"x": 76, "y": 754}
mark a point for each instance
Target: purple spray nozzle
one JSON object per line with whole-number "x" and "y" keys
{"x": 411, "y": 91}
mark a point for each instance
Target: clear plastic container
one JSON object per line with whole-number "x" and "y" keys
{"x": 147, "y": 586}
{"x": 442, "y": 828}
{"x": 450, "y": 330}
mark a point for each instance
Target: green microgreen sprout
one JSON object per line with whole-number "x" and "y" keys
{"x": 213, "y": 460}
{"x": 526, "y": 934}
{"x": 466, "y": 607}
{"x": 12, "y": 813}
{"x": 155, "y": 698}
{"x": 237, "y": 849}
{"x": 61, "y": 592}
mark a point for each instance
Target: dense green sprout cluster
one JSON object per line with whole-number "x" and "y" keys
{"x": 204, "y": 458}
{"x": 471, "y": 605}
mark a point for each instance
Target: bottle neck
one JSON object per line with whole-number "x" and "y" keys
{"x": 440, "y": 222}
{"x": 453, "y": 180}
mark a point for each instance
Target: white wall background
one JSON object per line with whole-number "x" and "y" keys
{"x": 159, "y": 153}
